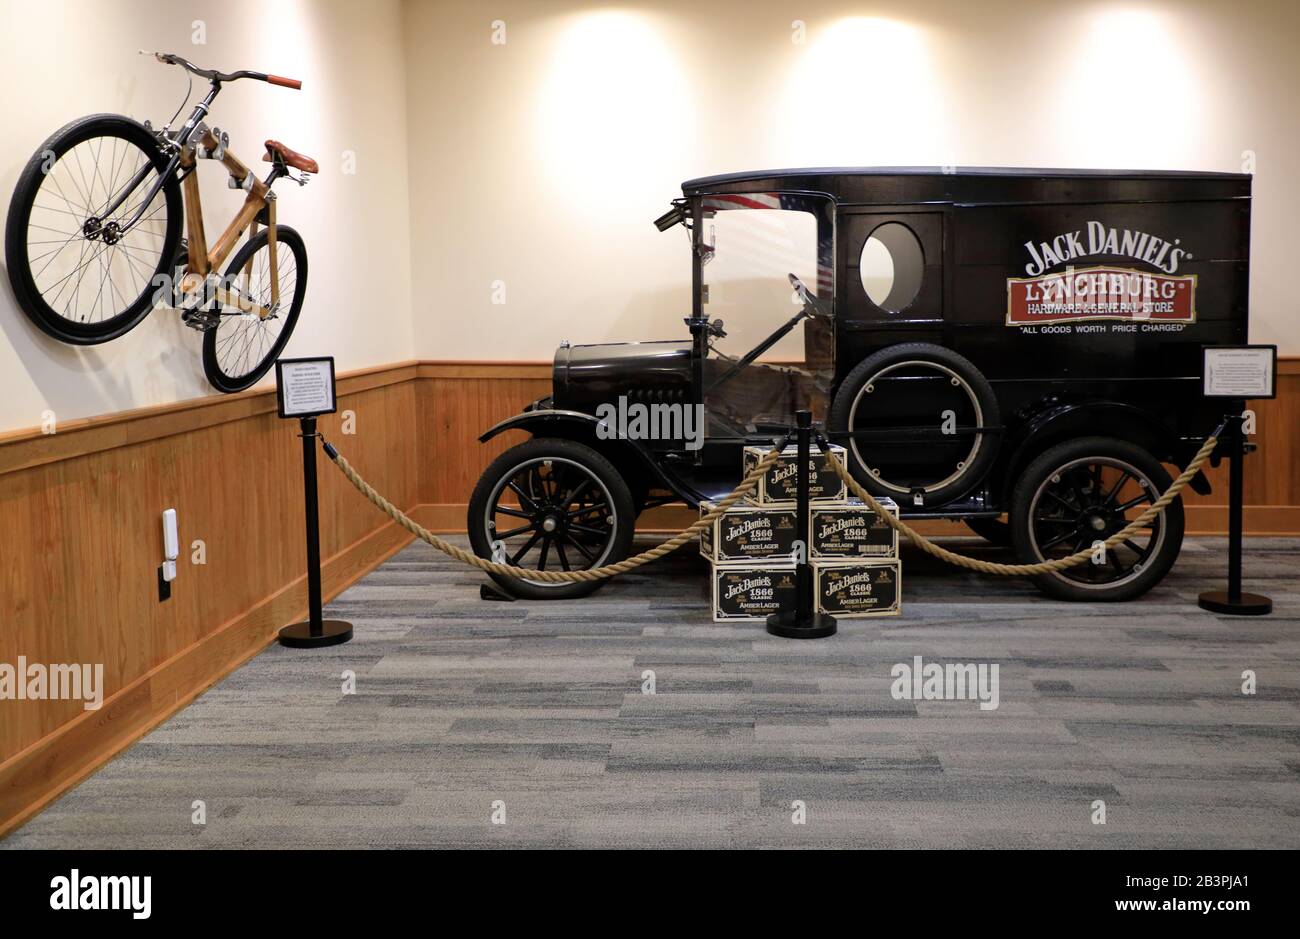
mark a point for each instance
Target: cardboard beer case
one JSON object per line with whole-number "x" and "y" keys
{"x": 851, "y": 530}
{"x": 752, "y": 591}
{"x": 749, "y": 533}
{"x": 780, "y": 484}
{"x": 858, "y": 588}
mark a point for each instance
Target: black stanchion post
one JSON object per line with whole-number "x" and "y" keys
{"x": 305, "y": 390}
{"x": 803, "y": 622}
{"x": 1232, "y": 600}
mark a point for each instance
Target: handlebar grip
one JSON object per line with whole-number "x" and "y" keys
{"x": 285, "y": 82}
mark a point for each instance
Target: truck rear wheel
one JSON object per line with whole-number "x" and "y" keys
{"x": 1081, "y": 492}
{"x": 914, "y": 405}
{"x": 551, "y": 504}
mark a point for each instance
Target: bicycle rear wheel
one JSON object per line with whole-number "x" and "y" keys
{"x": 81, "y": 273}
{"x": 242, "y": 346}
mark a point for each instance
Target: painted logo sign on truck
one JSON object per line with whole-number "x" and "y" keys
{"x": 1107, "y": 291}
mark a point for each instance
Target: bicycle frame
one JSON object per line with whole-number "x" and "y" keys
{"x": 201, "y": 260}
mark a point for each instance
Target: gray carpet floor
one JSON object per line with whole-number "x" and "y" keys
{"x": 469, "y": 712}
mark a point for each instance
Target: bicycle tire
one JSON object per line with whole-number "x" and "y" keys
{"x": 31, "y": 299}
{"x": 217, "y": 375}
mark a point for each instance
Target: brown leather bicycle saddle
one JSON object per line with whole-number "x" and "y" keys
{"x": 293, "y": 158}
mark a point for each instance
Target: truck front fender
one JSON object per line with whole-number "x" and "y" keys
{"x": 531, "y": 420}
{"x": 577, "y": 425}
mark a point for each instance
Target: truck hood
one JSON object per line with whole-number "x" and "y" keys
{"x": 588, "y": 375}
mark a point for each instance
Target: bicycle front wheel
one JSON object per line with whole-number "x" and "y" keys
{"x": 243, "y": 346}
{"x": 88, "y": 243}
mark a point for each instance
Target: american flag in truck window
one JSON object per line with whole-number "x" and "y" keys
{"x": 820, "y": 206}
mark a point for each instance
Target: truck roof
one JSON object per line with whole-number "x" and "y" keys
{"x": 980, "y": 184}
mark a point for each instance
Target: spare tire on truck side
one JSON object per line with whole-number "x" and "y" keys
{"x": 919, "y": 404}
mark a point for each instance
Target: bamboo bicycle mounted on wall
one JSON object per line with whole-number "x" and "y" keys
{"x": 93, "y": 240}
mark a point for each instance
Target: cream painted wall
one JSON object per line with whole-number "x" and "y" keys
{"x": 541, "y": 162}
{"x": 60, "y": 59}
{"x": 533, "y": 168}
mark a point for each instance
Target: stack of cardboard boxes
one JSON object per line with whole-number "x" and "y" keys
{"x": 752, "y": 548}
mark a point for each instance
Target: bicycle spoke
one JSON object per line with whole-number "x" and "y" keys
{"x": 245, "y": 340}
{"x": 112, "y": 270}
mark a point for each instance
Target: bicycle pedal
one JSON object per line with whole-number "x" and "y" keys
{"x": 201, "y": 320}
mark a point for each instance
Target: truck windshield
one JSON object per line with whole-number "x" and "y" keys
{"x": 756, "y": 241}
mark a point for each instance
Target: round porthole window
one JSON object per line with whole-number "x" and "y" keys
{"x": 891, "y": 267}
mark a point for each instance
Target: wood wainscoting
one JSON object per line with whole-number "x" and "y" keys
{"x": 458, "y": 400}
{"x": 82, "y": 539}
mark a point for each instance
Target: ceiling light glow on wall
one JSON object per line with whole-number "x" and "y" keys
{"x": 614, "y": 102}
{"x": 1129, "y": 96}
{"x": 863, "y": 91}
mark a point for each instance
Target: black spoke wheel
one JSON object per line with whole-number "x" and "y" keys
{"x": 1082, "y": 492}
{"x": 551, "y": 505}
{"x": 243, "y": 346}
{"x": 83, "y": 269}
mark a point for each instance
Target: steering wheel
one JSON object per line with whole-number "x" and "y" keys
{"x": 811, "y": 303}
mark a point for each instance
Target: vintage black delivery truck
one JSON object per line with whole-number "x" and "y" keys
{"x": 1016, "y": 348}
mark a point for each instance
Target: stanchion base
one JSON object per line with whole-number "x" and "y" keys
{"x": 299, "y": 635}
{"x": 785, "y": 625}
{"x": 1248, "y": 604}
{"x": 488, "y": 592}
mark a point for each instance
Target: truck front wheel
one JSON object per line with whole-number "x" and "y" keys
{"x": 551, "y": 504}
{"x": 1078, "y": 494}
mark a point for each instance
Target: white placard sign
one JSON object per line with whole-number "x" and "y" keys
{"x": 305, "y": 387}
{"x": 1240, "y": 372}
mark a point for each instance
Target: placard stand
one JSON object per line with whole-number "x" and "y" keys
{"x": 305, "y": 389}
{"x": 1239, "y": 373}
{"x": 803, "y": 622}
{"x": 1233, "y": 601}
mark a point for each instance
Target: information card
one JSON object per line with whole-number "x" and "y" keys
{"x": 305, "y": 387}
{"x": 1240, "y": 371}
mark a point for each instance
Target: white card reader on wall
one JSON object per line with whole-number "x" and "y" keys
{"x": 171, "y": 551}
{"x": 171, "y": 544}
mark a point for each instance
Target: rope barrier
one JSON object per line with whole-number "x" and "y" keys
{"x": 554, "y": 577}
{"x": 1043, "y": 567}
{"x": 746, "y": 484}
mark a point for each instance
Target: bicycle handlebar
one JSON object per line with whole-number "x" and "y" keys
{"x": 170, "y": 58}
